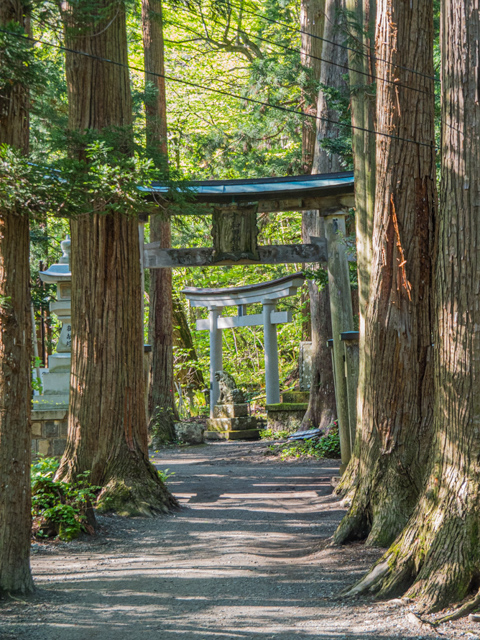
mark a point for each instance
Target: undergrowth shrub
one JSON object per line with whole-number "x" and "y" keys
{"x": 60, "y": 509}
{"x": 327, "y": 446}
{"x": 269, "y": 434}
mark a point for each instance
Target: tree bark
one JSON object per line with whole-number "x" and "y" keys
{"x": 438, "y": 555}
{"x": 321, "y": 406}
{"x": 162, "y": 408}
{"x": 397, "y": 409}
{"x": 312, "y": 20}
{"x": 107, "y": 431}
{"x": 190, "y": 374}
{"x": 321, "y": 410}
{"x": 360, "y": 25}
{"x": 15, "y": 349}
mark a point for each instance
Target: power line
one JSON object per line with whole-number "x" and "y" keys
{"x": 212, "y": 90}
{"x": 370, "y": 53}
{"x": 339, "y": 64}
{"x": 310, "y": 55}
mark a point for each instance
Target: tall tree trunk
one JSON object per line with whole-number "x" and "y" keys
{"x": 161, "y": 397}
{"x": 107, "y": 431}
{"x": 15, "y": 349}
{"x": 321, "y": 406}
{"x": 190, "y": 374}
{"x": 397, "y": 408}
{"x": 312, "y": 20}
{"x": 438, "y": 551}
{"x": 360, "y": 24}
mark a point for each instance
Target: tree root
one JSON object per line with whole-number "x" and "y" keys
{"x": 434, "y": 565}
{"x": 354, "y": 526}
{"x": 422, "y": 624}
{"x": 462, "y": 611}
{"x": 368, "y": 582}
{"x": 346, "y": 486}
{"x": 127, "y": 498}
{"x": 136, "y": 494}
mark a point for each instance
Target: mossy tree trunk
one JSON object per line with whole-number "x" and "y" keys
{"x": 438, "y": 553}
{"x": 161, "y": 400}
{"x": 15, "y": 349}
{"x": 321, "y": 409}
{"x": 107, "y": 431}
{"x": 397, "y": 410}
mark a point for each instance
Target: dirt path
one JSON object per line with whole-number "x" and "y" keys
{"x": 244, "y": 559}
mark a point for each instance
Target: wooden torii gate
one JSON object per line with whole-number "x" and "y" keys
{"x": 234, "y": 205}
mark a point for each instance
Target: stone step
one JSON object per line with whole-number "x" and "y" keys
{"x": 232, "y": 424}
{"x": 243, "y": 434}
{"x": 59, "y": 363}
{"x": 51, "y": 402}
{"x": 56, "y": 383}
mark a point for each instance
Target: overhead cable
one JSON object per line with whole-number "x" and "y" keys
{"x": 212, "y": 90}
{"x": 370, "y": 54}
{"x": 396, "y": 83}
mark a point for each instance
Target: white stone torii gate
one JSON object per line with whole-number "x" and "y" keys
{"x": 267, "y": 293}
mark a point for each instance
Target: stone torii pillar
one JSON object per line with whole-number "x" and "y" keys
{"x": 272, "y": 382}
{"x": 216, "y": 361}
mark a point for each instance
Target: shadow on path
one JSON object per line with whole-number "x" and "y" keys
{"x": 245, "y": 558}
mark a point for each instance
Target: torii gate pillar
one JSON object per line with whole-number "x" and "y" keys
{"x": 216, "y": 363}
{"x": 272, "y": 381}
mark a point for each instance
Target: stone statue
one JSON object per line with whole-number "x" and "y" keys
{"x": 229, "y": 393}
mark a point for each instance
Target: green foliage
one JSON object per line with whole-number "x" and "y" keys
{"x": 319, "y": 276}
{"x": 327, "y": 446}
{"x": 19, "y": 64}
{"x": 24, "y": 187}
{"x": 268, "y": 434}
{"x": 36, "y": 382}
{"x": 341, "y": 145}
{"x": 165, "y": 475}
{"x": 59, "y": 508}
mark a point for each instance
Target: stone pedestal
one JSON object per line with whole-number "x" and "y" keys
{"x": 232, "y": 422}
{"x": 286, "y": 416}
{"x": 49, "y": 431}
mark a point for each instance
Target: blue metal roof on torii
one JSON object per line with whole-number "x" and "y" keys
{"x": 227, "y": 191}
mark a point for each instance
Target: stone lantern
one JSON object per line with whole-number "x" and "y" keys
{"x": 56, "y": 381}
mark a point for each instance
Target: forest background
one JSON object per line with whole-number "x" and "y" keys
{"x": 417, "y": 321}
{"x": 247, "y": 49}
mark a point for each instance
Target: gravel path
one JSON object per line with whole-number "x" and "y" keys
{"x": 246, "y": 558}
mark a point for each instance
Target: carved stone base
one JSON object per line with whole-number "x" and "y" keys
{"x": 286, "y": 416}
{"x": 231, "y": 422}
{"x": 230, "y": 410}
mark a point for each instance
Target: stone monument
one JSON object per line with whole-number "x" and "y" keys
{"x": 56, "y": 380}
{"x": 231, "y": 420}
